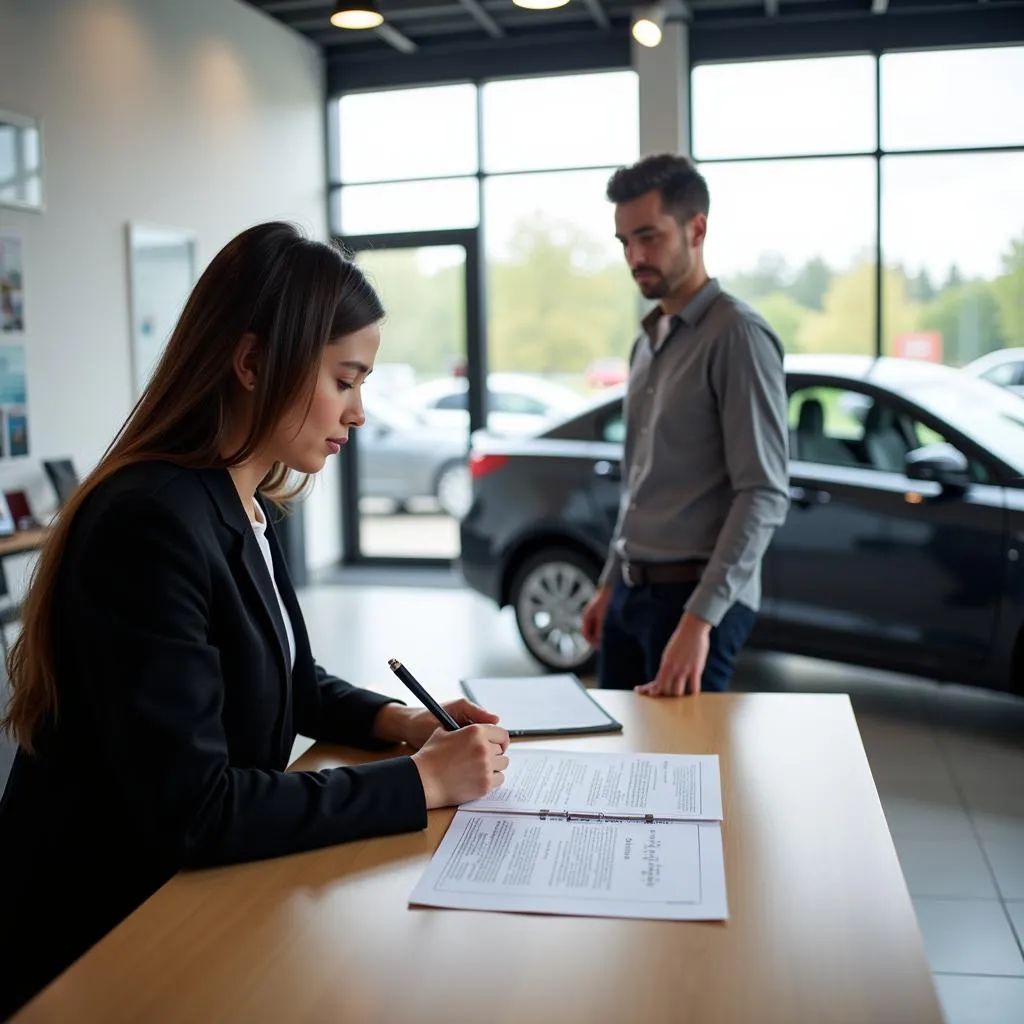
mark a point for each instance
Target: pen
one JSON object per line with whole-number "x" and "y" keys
{"x": 428, "y": 702}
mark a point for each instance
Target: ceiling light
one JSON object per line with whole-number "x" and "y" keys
{"x": 356, "y": 14}
{"x": 540, "y": 5}
{"x": 647, "y": 25}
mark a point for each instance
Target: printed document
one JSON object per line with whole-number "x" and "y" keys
{"x": 598, "y": 835}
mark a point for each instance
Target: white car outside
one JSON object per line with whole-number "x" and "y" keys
{"x": 518, "y": 403}
{"x": 1004, "y": 367}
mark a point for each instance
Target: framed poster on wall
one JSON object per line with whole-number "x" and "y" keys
{"x": 13, "y": 401}
{"x": 161, "y": 273}
{"x": 12, "y": 285}
{"x": 21, "y": 161}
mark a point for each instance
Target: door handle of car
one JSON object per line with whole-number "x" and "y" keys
{"x": 808, "y": 497}
{"x": 609, "y": 470}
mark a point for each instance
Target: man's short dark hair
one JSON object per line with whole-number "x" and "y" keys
{"x": 683, "y": 190}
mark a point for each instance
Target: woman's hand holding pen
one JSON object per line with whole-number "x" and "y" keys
{"x": 463, "y": 765}
{"x": 416, "y": 725}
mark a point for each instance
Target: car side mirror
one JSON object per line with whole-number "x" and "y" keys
{"x": 941, "y": 464}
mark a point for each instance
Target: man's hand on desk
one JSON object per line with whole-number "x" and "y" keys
{"x": 398, "y": 724}
{"x": 682, "y": 661}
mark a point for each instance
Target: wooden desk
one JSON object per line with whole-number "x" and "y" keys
{"x": 22, "y": 541}
{"x": 821, "y": 930}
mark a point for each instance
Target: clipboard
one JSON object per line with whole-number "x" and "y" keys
{"x": 551, "y": 705}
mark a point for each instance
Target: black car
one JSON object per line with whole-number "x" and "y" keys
{"x": 901, "y": 549}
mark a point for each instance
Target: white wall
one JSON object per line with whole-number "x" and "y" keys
{"x": 197, "y": 114}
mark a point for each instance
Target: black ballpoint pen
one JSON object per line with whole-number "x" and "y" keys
{"x": 428, "y": 702}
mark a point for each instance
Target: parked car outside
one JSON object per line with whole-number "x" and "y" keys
{"x": 901, "y": 549}
{"x": 401, "y": 458}
{"x": 1004, "y": 367}
{"x": 519, "y": 403}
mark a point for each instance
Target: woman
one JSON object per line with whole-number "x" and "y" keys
{"x": 163, "y": 669}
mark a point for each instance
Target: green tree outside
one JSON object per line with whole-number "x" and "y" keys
{"x": 1008, "y": 289}
{"x": 558, "y": 300}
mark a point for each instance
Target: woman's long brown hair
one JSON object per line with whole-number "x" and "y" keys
{"x": 293, "y": 295}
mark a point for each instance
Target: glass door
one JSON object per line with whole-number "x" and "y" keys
{"x": 405, "y": 479}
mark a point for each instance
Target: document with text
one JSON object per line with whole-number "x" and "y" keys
{"x": 676, "y": 787}
{"x": 598, "y": 835}
{"x": 670, "y": 871}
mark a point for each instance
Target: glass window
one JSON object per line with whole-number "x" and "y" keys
{"x": 458, "y": 400}
{"x": 21, "y": 180}
{"x": 953, "y": 245}
{"x": 551, "y": 240}
{"x": 587, "y": 120}
{"x": 613, "y": 430}
{"x": 407, "y": 133}
{"x": 1005, "y": 374}
{"x": 783, "y": 107}
{"x": 508, "y": 401}
{"x": 795, "y": 238}
{"x": 989, "y": 415}
{"x": 408, "y": 206}
{"x": 413, "y": 480}
{"x": 840, "y": 427}
{"x": 953, "y": 98}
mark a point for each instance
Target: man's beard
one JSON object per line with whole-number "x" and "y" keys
{"x": 654, "y": 288}
{"x": 660, "y": 284}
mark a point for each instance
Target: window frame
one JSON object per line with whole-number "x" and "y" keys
{"x": 878, "y": 152}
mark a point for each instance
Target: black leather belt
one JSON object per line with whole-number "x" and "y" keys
{"x": 639, "y": 574}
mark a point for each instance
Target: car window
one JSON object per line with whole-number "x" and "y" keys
{"x": 457, "y": 400}
{"x": 841, "y": 427}
{"x": 510, "y": 401}
{"x": 1006, "y": 374}
{"x": 992, "y": 417}
{"x": 613, "y": 429}
{"x": 826, "y": 425}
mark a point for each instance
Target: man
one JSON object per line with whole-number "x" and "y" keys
{"x": 705, "y": 465}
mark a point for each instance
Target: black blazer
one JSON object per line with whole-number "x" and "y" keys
{"x": 177, "y": 712}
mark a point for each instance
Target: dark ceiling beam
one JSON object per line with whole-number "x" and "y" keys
{"x": 394, "y": 38}
{"x": 292, "y": 6}
{"x": 565, "y": 52}
{"x": 458, "y": 30}
{"x": 795, "y": 35}
{"x": 598, "y": 13}
{"x": 483, "y": 19}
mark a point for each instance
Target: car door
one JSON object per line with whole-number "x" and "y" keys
{"x": 870, "y": 561}
{"x": 606, "y": 465}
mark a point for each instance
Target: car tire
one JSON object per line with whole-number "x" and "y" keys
{"x": 549, "y": 592}
{"x": 454, "y": 489}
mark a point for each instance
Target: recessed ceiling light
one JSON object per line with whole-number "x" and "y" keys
{"x": 357, "y": 14}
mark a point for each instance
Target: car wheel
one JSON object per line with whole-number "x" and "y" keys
{"x": 454, "y": 489}
{"x": 549, "y": 593}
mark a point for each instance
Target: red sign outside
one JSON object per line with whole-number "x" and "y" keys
{"x": 926, "y": 345}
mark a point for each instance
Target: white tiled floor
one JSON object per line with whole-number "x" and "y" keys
{"x": 948, "y": 763}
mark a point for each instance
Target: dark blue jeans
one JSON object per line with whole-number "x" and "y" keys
{"x": 638, "y": 625}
